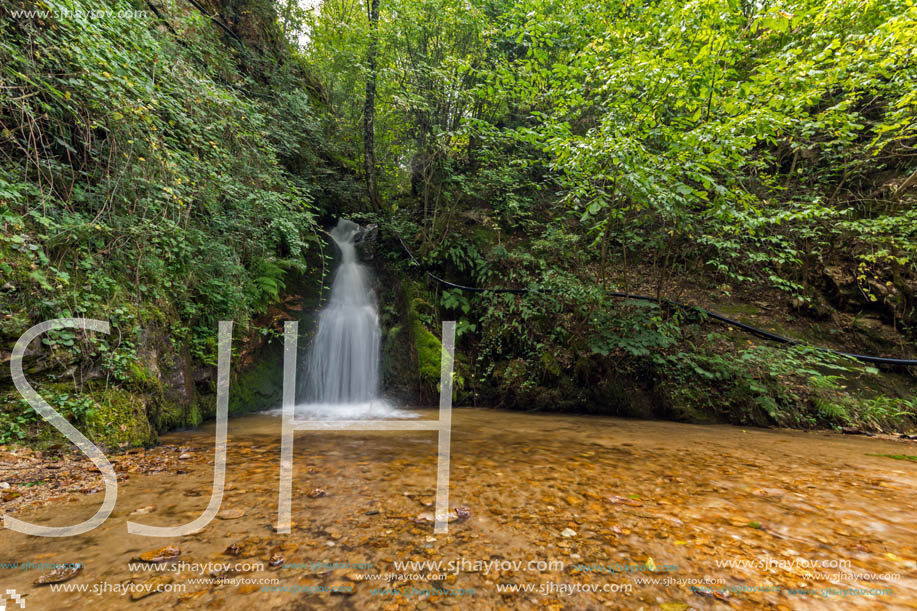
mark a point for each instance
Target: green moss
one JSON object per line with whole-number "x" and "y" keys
{"x": 169, "y": 416}
{"x": 117, "y": 418}
{"x": 195, "y": 417}
{"x": 549, "y": 364}
{"x": 429, "y": 353}
{"x": 125, "y": 421}
{"x": 425, "y": 345}
{"x": 140, "y": 373}
{"x": 259, "y": 386}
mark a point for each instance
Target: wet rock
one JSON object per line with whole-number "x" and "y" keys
{"x": 568, "y": 532}
{"x": 59, "y": 575}
{"x": 316, "y": 493}
{"x": 233, "y": 550}
{"x": 428, "y": 516}
{"x": 143, "y": 510}
{"x": 620, "y": 500}
{"x": 231, "y": 514}
{"x": 163, "y": 554}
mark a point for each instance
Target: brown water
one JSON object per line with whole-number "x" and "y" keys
{"x": 622, "y": 492}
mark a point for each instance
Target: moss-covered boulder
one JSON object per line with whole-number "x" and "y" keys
{"x": 112, "y": 418}
{"x": 426, "y": 346}
{"x": 260, "y": 385}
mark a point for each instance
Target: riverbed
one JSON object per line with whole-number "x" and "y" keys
{"x": 574, "y": 512}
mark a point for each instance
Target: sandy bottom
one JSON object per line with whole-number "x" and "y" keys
{"x": 595, "y": 503}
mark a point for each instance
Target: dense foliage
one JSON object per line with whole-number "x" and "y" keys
{"x": 162, "y": 167}
{"x": 694, "y": 150}
{"x": 154, "y": 171}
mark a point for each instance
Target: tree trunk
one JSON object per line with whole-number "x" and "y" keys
{"x": 369, "y": 107}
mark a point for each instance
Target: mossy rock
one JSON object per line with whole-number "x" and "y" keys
{"x": 429, "y": 352}
{"x": 259, "y": 386}
{"x": 426, "y": 346}
{"x": 123, "y": 420}
{"x": 118, "y": 418}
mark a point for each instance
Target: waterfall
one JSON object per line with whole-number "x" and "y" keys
{"x": 342, "y": 365}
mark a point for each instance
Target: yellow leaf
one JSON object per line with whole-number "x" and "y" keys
{"x": 650, "y": 564}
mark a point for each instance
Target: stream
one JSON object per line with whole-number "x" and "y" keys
{"x": 727, "y": 517}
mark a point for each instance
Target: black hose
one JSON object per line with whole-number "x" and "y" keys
{"x": 747, "y": 328}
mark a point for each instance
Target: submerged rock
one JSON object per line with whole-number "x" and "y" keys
{"x": 59, "y": 575}
{"x": 163, "y": 554}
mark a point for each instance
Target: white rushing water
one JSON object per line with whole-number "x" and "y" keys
{"x": 342, "y": 366}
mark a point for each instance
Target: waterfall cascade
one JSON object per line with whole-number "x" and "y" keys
{"x": 342, "y": 365}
